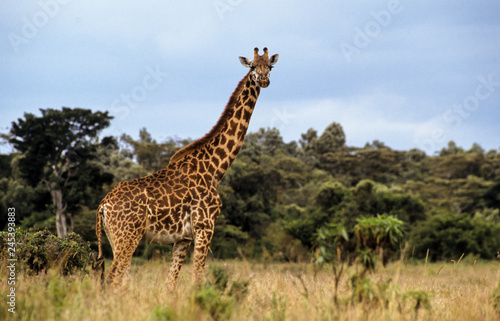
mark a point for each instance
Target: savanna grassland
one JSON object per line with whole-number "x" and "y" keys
{"x": 241, "y": 290}
{"x": 312, "y": 200}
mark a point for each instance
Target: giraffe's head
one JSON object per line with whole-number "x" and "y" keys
{"x": 260, "y": 66}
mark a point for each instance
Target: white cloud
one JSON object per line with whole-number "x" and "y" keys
{"x": 377, "y": 116}
{"x": 363, "y": 118}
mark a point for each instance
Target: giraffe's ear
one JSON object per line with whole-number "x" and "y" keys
{"x": 246, "y": 62}
{"x": 274, "y": 59}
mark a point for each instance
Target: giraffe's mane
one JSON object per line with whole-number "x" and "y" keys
{"x": 224, "y": 117}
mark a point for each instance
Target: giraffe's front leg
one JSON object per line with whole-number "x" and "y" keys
{"x": 178, "y": 255}
{"x": 201, "y": 245}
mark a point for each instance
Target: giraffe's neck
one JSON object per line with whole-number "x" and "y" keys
{"x": 215, "y": 152}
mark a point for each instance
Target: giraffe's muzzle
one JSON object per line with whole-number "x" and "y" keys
{"x": 264, "y": 82}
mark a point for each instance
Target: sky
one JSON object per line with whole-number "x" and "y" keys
{"x": 411, "y": 74}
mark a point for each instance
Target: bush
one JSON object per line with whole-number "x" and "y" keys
{"x": 41, "y": 250}
{"x": 381, "y": 231}
{"x": 370, "y": 236}
{"x": 451, "y": 235}
{"x": 219, "y": 295}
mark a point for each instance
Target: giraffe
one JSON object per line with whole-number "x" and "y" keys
{"x": 180, "y": 203}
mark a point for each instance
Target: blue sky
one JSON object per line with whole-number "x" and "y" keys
{"x": 412, "y": 74}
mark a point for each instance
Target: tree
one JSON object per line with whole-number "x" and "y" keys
{"x": 56, "y": 149}
{"x": 476, "y": 148}
{"x": 330, "y": 195}
{"x": 376, "y": 144}
{"x": 110, "y": 159}
{"x": 448, "y": 236}
{"x": 265, "y": 141}
{"x": 332, "y": 139}
{"x": 330, "y": 148}
{"x": 451, "y": 150}
{"x": 308, "y": 143}
{"x": 150, "y": 154}
{"x": 308, "y": 139}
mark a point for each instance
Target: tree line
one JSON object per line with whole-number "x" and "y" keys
{"x": 279, "y": 199}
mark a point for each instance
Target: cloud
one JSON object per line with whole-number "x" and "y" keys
{"x": 396, "y": 89}
{"x": 375, "y": 116}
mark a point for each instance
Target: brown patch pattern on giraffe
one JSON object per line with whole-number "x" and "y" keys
{"x": 180, "y": 203}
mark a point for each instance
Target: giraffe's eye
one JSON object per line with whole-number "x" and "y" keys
{"x": 271, "y": 67}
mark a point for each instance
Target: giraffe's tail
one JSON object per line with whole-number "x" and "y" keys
{"x": 98, "y": 264}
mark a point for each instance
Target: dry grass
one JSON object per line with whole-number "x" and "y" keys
{"x": 275, "y": 292}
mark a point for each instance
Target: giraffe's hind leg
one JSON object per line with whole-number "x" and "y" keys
{"x": 178, "y": 255}
{"x": 122, "y": 259}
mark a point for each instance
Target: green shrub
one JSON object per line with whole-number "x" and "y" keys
{"x": 163, "y": 314}
{"x": 381, "y": 231}
{"x": 214, "y": 302}
{"x": 219, "y": 295}
{"x": 370, "y": 236}
{"x": 41, "y": 250}
{"x": 330, "y": 240}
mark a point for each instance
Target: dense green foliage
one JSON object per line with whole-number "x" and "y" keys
{"x": 55, "y": 159}
{"x": 41, "y": 250}
{"x": 278, "y": 196}
{"x": 371, "y": 236}
{"x": 217, "y": 296}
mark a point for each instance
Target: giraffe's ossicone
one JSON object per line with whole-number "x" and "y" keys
{"x": 180, "y": 203}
